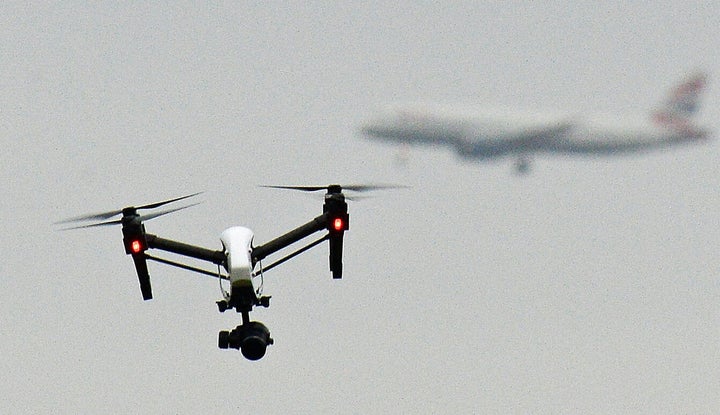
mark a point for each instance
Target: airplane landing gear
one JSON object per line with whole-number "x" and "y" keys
{"x": 522, "y": 165}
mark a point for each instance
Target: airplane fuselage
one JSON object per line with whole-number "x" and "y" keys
{"x": 478, "y": 133}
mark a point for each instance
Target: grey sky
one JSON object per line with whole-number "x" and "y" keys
{"x": 590, "y": 286}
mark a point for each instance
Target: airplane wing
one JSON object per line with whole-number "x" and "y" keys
{"x": 488, "y": 140}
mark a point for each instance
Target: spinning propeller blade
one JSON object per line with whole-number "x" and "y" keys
{"x": 158, "y": 204}
{"x": 93, "y": 225}
{"x": 371, "y": 187}
{"x": 165, "y": 212}
{"x": 92, "y": 216}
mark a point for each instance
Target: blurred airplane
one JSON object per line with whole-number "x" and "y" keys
{"x": 482, "y": 133}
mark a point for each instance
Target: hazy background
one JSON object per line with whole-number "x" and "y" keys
{"x": 589, "y": 286}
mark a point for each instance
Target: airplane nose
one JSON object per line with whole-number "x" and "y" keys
{"x": 372, "y": 130}
{"x": 383, "y": 126}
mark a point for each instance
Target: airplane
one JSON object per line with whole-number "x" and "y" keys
{"x": 240, "y": 259}
{"x": 488, "y": 133}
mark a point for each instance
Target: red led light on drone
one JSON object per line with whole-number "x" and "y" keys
{"x": 338, "y": 224}
{"x": 136, "y": 247}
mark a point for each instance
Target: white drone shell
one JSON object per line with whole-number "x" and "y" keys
{"x": 237, "y": 242}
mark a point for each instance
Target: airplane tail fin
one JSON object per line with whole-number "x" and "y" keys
{"x": 682, "y": 103}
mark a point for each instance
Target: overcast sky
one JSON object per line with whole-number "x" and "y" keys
{"x": 588, "y": 286}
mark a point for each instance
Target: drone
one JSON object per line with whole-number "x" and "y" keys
{"x": 240, "y": 260}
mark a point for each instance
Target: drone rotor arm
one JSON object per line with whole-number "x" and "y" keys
{"x": 181, "y": 248}
{"x": 292, "y": 255}
{"x": 283, "y": 241}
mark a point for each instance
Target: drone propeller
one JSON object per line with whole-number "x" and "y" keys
{"x": 335, "y": 188}
{"x": 110, "y": 214}
{"x": 119, "y": 221}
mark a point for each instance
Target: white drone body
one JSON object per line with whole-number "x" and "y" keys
{"x": 237, "y": 245}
